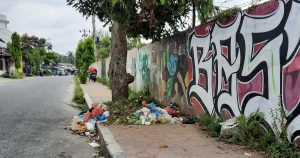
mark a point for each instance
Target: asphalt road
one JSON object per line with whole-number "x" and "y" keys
{"x": 33, "y": 114}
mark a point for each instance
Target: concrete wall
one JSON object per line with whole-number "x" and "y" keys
{"x": 248, "y": 63}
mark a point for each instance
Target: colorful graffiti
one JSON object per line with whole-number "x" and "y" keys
{"x": 249, "y": 64}
{"x": 174, "y": 69}
{"x": 144, "y": 68}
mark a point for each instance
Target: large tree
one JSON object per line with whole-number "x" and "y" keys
{"x": 14, "y": 48}
{"x": 134, "y": 18}
{"x": 31, "y": 42}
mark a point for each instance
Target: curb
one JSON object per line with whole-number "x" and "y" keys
{"x": 108, "y": 142}
{"x": 87, "y": 98}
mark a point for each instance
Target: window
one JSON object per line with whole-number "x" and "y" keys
{"x": 1, "y": 64}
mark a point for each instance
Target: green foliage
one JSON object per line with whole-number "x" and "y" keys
{"x": 31, "y": 42}
{"x": 12, "y": 76}
{"x": 143, "y": 18}
{"x": 14, "y": 49}
{"x": 84, "y": 57}
{"x": 103, "y": 47}
{"x": 47, "y": 72}
{"x": 16, "y": 76}
{"x": 51, "y": 57}
{"x": 211, "y": 124}
{"x": 204, "y": 9}
{"x": 214, "y": 127}
{"x": 226, "y": 14}
{"x": 79, "y": 53}
{"x": 5, "y": 75}
{"x": 36, "y": 57}
{"x": 83, "y": 107}
{"x": 78, "y": 92}
{"x": 121, "y": 111}
{"x": 69, "y": 58}
{"x": 283, "y": 149}
{"x": 253, "y": 132}
{"x": 88, "y": 56}
{"x": 83, "y": 76}
{"x": 134, "y": 43}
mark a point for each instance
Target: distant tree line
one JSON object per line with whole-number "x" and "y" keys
{"x": 34, "y": 52}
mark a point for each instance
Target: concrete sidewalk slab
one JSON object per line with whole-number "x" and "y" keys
{"x": 182, "y": 141}
{"x": 174, "y": 141}
{"x": 97, "y": 92}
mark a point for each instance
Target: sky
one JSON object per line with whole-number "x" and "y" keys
{"x": 59, "y": 23}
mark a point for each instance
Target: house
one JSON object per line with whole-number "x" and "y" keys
{"x": 6, "y": 63}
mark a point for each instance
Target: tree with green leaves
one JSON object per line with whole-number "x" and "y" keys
{"x": 31, "y": 42}
{"x": 134, "y": 43}
{"x": 51, "y": 58}
{"x": 15, "y": 50}
{"x": 84, "y": 57}
{"x": 79, "y": 53}
{"x": 103, "y": 47}
{"x": 147, "y": 18}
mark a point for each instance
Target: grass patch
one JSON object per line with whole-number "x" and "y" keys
{"x": 252, "y": 132}
{"x": 78, "y": 97}
{"x": 283, "y": 149}
{"x": 13, "y": 75}
{"x": 210, "y": 124}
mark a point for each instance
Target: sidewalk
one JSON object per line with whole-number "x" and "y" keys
{"x": 162, "y": 141}
{"x": 97, "y": 92}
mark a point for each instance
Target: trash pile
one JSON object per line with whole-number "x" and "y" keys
{"x": 151, "y": 114}
{"x": 85, "y": 122}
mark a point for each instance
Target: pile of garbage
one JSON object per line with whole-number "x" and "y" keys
{"x": 85, "y": 122}
{"x": 133, "y": 111}
{"x": 121, "y": 110}
{"x": 151, "y": 114}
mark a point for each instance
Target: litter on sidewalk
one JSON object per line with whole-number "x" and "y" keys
{"x": 151, "y": 114}
{"x": 85, "y": 122}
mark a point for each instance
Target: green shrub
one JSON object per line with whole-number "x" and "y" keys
{"x": 47, "y": 72}
{"x": 83, "y": 107}
{"x": 16, "y": 76}
{"x": 6, "y": 75}
{"x": 83, "y": 77}
{"x": 253, "y": 132}
{"x": 78, "y": 93}
{"x": 283, "y": 149}
{"x": 214, "y": 127}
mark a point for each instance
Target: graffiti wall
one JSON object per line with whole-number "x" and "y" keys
{"x": 249, "y": 63}
{"x": 245, "y": 64}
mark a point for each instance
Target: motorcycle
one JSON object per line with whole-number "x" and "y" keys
{"x": 93, "y": 77}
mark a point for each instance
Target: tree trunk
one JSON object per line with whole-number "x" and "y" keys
{"x": 118, "y": 76}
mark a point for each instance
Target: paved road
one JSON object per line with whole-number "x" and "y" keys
{"x": 33, "y": 114}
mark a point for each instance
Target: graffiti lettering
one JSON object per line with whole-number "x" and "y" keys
{"x": 245, "y": 64}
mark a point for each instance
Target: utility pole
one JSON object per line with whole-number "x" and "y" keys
{"x": 94, "y": 26}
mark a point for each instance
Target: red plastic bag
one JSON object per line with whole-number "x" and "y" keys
{"x": 171, "y": 111}
{"x": 97, "y": 111}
